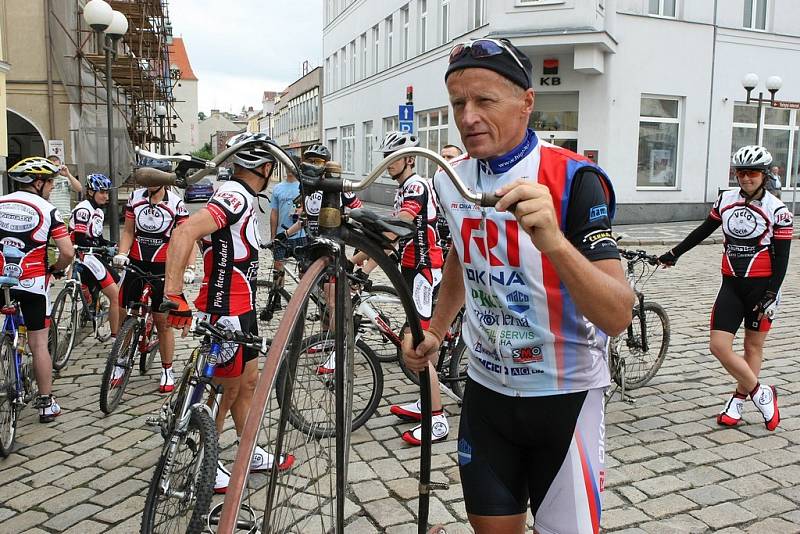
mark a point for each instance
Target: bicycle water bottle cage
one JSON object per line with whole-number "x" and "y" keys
{"x": 373, "y": 222}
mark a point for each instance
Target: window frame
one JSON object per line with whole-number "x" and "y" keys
{"x": 389, "y": 41}
{"x": 444, "y": 20}
{"x": 363, "y": 71}
{"x": 422, "y": 6}
{"x": 368, "y": 142}
{"x": 477, "y": 7}
{"x": 406, "y": 20}
{"x": 679, "y": 141}
{"x": 422, "y": 132}
{"x": 376, "y": 49}
{"x": 353, "y": 78}
{"x": 661, "y": 10}
{"x": 754, "y": 15}
{"x": 347, "y": 134}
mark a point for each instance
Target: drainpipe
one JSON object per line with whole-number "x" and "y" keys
{"x": 710, "y": 104}
{"x": 49, "y": 58}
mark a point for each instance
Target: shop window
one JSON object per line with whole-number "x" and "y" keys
{"x": 659, "y": 135}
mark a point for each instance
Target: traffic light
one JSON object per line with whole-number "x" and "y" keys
{"x": 410, "y": 95}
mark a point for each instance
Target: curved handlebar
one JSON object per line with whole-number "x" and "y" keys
{"x": 134, "y": 269}
{"x": 235, "y": 336}
{"x": 639, "y": 255}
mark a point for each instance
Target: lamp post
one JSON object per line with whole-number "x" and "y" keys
{"x": 102, "y": 19}
{"x": 161, "y": 113}
{"x": 773, "y": 83}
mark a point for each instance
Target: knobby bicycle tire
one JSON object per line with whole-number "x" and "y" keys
{"x": 121, "y": 355}
{"x": 148, "y": 355}
{"x": 458, "y": 369}
{"x": 8, "y": 395}
{"x": 198, "y": 491}
{"x": 369, "y": 384}
{"x": 61, "y": 350}
{"x": 640, "y": 367}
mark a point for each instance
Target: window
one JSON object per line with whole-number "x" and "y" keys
{"x": 477, "y": 14}
{"x": 445, "y": 21}
{"x": 328, "y": 87}
{"x": 335, "y": 75}
{"x": 659, "y": 129}
{"x": 363, "y": 72}
{"x": 555, "y": 119}
{"x": 343, "y": 59}
{"x": 779, "y": 134}
{"x": 389, "y": 38}
{"x": 369, "y": 146}
{"x": 432, "y": 132}
{"x": 662, "y": 8}
{"x": 353, "y": 62}
{"x": 423, "y": 26}
{"x": 390, "y": 124}
{"x": 755, "y": 14}
{"x": 348, "y": 147}
{"x": 404, "y": 37}
{"x": 376, "y": 58}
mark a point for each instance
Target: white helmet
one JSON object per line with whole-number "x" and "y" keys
{"x": 254, "y": 156}
{"x": 752, "y": 157}
{"x": 394, "y": 141}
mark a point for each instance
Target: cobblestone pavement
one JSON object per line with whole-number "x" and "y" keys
{"x": 669, "y": 467}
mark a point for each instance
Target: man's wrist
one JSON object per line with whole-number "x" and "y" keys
{"x": 559, "y": 247}
{"x": 435, "y": 332}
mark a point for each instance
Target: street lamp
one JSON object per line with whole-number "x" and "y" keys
{"x": 102, "y": 19}
{"x": 161, "y": 112}
{"x": 773, "y": 83}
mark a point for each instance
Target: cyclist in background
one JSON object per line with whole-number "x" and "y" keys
{"x": 420, "y": 264}
{"x": 450, "y": 152}
{"x": 27, "y": 222}
{"x": 282, "y": 216}
{"x": 758, "y": 235}
{"x": 543, "y": 286}
{"x": 86, "y": 230}
{"x": 228, "y": 227}
{"x": 151, "y": 215}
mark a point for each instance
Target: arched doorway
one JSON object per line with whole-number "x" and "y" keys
{"x": 24, "y": 140}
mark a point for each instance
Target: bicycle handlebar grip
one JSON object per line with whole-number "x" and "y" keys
{"x": 489, "y": 200}
{"x": 149, "y": 177}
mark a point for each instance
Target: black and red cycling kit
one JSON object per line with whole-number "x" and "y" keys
{"x": 27, "y": 222}
{"x": 758, "y": 236}
{"x": 153, "y": 226}
{"x": 313, "y": 203}
{"x": 86, "y": 230}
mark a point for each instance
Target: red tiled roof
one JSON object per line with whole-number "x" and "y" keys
{"x": 179, "y": 58}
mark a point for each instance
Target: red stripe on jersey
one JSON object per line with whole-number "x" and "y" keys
{"x": 784, "y": 232}
{"x": 218, "y": 214}
{"x": 411, "y": 206}
{"x": 80, "y": 229}
{"x": 161, "y": 254}
{"x": 761, "y": 265}
{"x": 553, "y": 175}
{"x": 59, "y": 232}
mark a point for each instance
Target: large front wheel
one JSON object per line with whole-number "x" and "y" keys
{"x": 63, "y": 327}
{"x": 643, "y": 360}
{"x": 119, "y": 365}
{"x": 183, "y": 482}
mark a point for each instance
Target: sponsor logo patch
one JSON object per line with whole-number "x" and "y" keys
{"x": 528, "y": 355}
{"x": 598, "y": 212}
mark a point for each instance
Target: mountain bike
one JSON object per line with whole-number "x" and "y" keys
{"x": 635, "y": 356}
{"x": 278, "y": 296}
{"x": 17, "y": 381}
{"x": 182, "y": 486}
{"x": 66, "y": 315}
{"x": 135, "y": 335}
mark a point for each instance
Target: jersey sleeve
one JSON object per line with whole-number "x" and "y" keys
{"x": 80, "y": 220}
{"x": 181, "y": 213}
{"x": 129, "y": 207}
{"x": 351, "y": 201}
{"x": 714, "y": 213}
{"x": 58, "y": 230}
{"x": 784, "y": 222}
{"x": 588, "y": 225}
{"x": 414, "y": 198}
{"x": 275, "y": 202}
{"x": 226, "y": 207}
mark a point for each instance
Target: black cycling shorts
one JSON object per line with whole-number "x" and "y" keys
{"x": 546, "y": 451}
{"x": 735, "y": 303}
{"x": 133, "y": 285}
{"x": 96, "y": 273}
{"x": 35, "y": 309}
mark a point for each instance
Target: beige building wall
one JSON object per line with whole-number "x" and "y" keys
{"x": 28, "y": 93}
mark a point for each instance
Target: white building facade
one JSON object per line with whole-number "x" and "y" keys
{"x": 650, "y": 88}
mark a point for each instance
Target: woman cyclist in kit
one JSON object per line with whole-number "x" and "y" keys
{"x": 758, "y": 233}
{"x": 151, "y": 214}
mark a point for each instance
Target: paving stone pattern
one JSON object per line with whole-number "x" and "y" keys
{"x": 669, "y": 468}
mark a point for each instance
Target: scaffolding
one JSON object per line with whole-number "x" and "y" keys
{"x": 141, "y": 75}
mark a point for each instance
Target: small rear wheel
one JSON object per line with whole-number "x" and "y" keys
{"x": 63, "y": 327}
{"x": 8, "y": 397}
{"x": 119, "y": 365}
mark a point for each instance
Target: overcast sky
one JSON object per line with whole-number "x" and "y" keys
{"x": 240, "y": 48}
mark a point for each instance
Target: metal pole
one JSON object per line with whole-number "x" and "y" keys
{"x": 161, "y": 133}
{"x": 758, "y": 118}
{"x": 113, "y": 208}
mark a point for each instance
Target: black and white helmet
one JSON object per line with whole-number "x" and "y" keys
{"x": 317, "y": 151}
{"x": 254, "y": 156}
{"x": 752, "y": 157}
{"x": 394, "y": 141}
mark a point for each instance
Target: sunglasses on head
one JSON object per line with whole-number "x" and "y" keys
{"x": 483, "y": 48}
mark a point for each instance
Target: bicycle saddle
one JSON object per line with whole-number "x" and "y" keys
{"x": 402, "y": 229}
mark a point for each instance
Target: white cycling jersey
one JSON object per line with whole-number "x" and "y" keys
{"x": 521, "y": 328}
